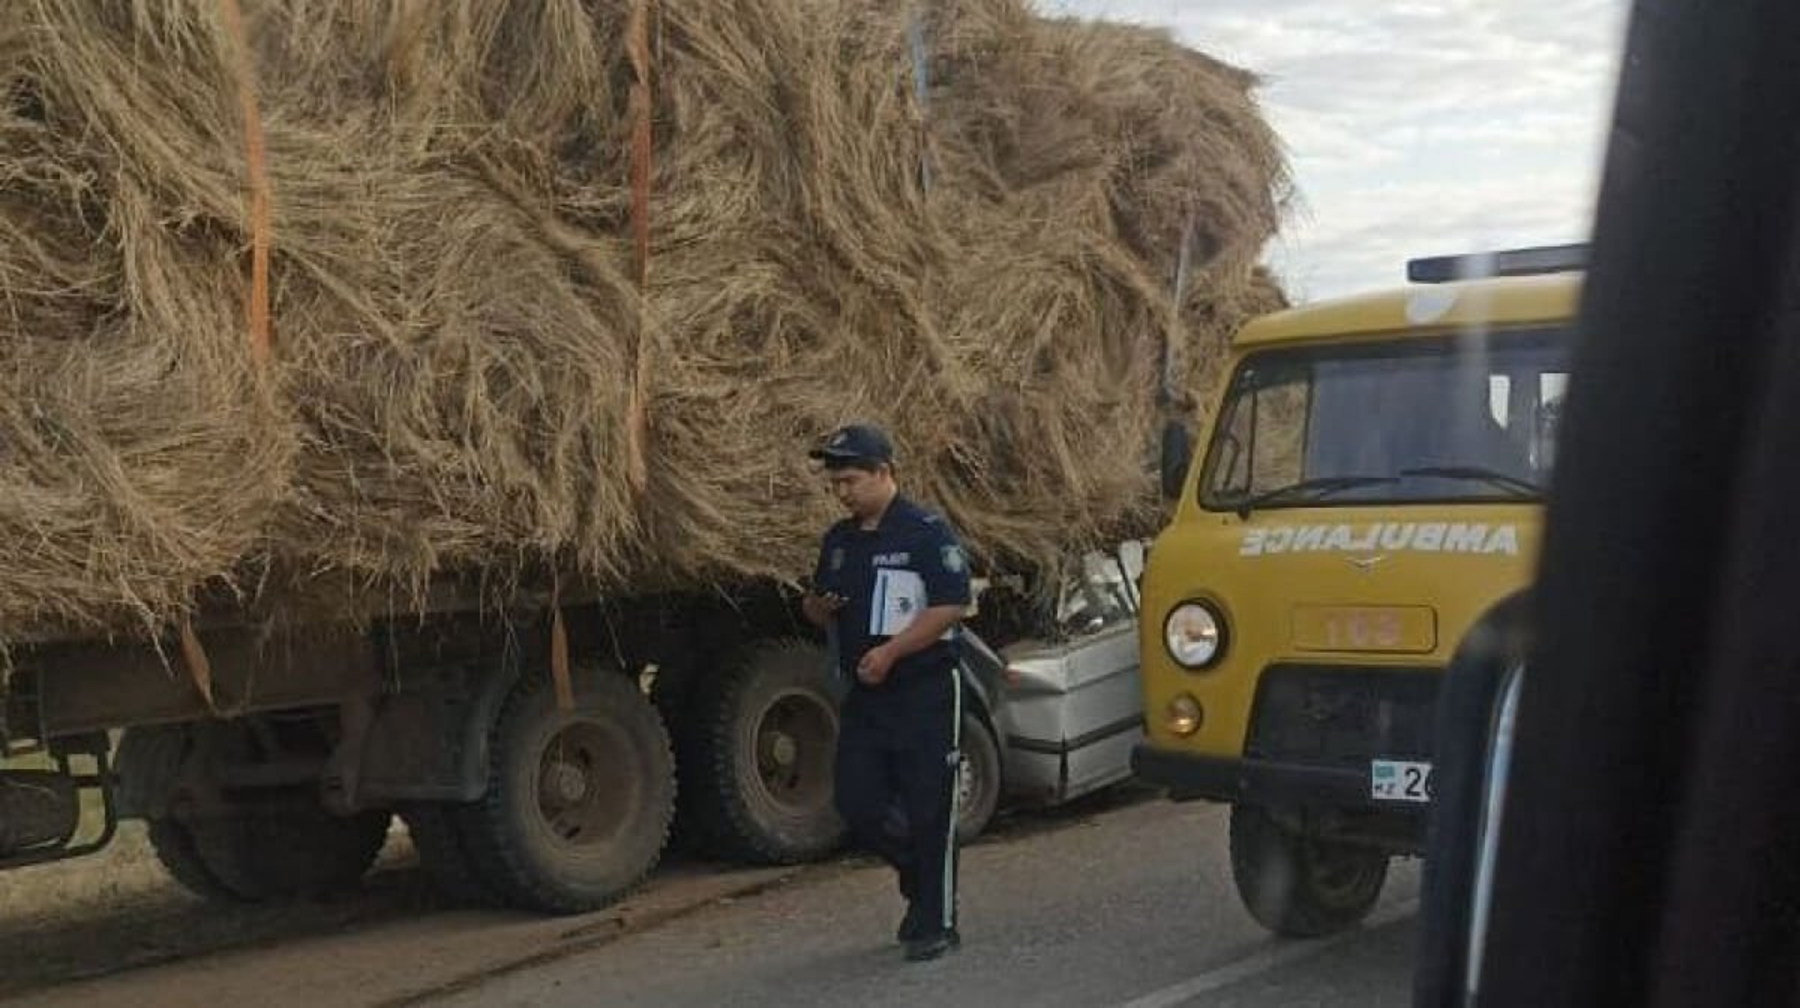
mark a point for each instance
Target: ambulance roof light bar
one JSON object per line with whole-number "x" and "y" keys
{"x": 1511, "y": 262}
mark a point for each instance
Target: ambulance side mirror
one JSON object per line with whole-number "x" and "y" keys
{"x": 1177, "y": 450}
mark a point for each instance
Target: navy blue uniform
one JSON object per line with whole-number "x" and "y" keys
{"x": 897, "y": 746}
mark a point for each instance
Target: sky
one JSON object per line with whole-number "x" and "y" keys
{"x": 1414, "y": 127}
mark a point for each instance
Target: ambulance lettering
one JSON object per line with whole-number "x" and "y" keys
{"x": 1391, "y": 537}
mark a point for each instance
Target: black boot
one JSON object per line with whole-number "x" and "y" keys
{"x": 912, "y": 926}
{"x": 933, "y": 946}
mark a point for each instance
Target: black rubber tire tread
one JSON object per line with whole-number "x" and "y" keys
{"x": 1267, "y": 865}
{"x": 496, "y": 832}
{"x": 726, "y": 825}
{"x": 282, "y": 850}
{"x": 983, "y": 753}
{"x": 146, "y": 765}
{"x": 676, "y": 697}
{"x": 444, "y": 855}
{"x": 180, "y": 857}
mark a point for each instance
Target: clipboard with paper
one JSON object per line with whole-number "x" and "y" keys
{"x": 898, "y": 599}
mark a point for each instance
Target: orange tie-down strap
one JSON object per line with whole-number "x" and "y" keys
{"x": 231, "y": 18}
{"x": 256, "y": 178}
{"x": 199, "y": 667}
{"x": 559, "y": 655}
{"x": 638, "y": 419}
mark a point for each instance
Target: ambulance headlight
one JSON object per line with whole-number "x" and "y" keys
{"x": 1194, "y": 634}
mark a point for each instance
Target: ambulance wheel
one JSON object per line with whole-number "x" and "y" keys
{"x": 1300, "y": 886}
{"x": 763, "y": 746}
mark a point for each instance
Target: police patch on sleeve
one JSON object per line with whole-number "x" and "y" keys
{"x": 953, "y": 559}
{"x": 837, "y": 559}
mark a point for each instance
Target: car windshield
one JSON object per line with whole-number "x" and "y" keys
{"x": 1464, "y": 417}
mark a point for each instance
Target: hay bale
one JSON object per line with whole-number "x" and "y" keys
{"x": 139, "y": 454}
{"x": 457, "y": 321}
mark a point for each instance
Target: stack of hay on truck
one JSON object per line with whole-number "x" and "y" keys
{"x": 404, "y": 403}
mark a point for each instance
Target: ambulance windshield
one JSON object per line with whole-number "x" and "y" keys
{"x": 1458, "y": 418}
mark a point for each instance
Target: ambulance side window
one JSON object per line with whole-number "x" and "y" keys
{"x": 1281, "y": 436}
{"x": 1553, "y": 386}
{"x": 1261, "y": 445}
{"x": 1527, "y": 405}
{"x": 1231, "y": 473}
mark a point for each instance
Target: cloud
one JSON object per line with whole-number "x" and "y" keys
{"x": 1365, "y": 242}
{"x": 1414, "y": 126}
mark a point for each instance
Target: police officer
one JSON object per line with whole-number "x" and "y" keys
{"x": 892, "y": 584}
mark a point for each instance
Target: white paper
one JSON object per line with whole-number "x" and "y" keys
{"x": 899, "y": 598}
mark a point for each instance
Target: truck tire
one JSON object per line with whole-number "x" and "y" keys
{"x": 578, "y": 803}
{"x": 287, "y": 848}
{"x": 763, "y": 744}
{"x": 180, "y": 857}
{"x": 444, "y": 856}
{"x": 1300, "y": 886}
{"x": 148, "y": 764}
{"x": 978, "y": 779}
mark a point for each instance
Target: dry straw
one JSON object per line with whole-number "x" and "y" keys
{"x": 459, "y": 319}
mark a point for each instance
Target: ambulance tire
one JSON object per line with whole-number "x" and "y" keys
{"x": 1300, "y": 886}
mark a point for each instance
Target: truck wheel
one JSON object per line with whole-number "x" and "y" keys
{"x": 1300, "y": 886}
{"x": 977, "y": 779}
{"x": 578, "y": 803}
{"x": 764, "y": 744}
{"x": 444, "y": 856}
{"x": 276, "y": 848}
{"x": 283, "y": 849}
{"x": 180, "y": 856}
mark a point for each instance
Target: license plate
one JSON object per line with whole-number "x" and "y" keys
{"x": 1399, "y": 781}
{"x": 1365, "y": 629}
